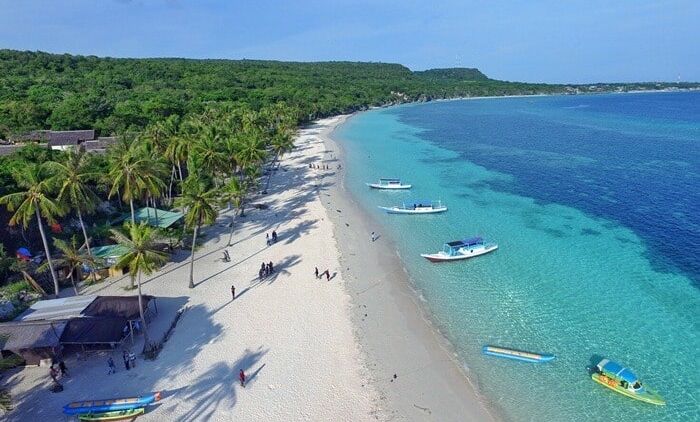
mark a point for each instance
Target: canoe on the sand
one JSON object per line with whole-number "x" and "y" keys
{"x": 118, "y": 415}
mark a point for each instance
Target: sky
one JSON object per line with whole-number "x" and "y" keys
{"x": 563, "y": 41}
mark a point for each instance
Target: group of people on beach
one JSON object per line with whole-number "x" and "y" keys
{"x": 129, "y": 359}
{"x": 271, "y": 239}
{"x": 265, "y": 270}
{"x": 322, "y": 166}
{"x": 327, "y": 273}
{"x": 56, "y": 371}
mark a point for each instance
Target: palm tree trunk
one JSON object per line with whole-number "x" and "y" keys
{"x": 87, "y": 244}
{"x": 179, "y": 169}
{"x": 233, "y": 220}
{"x": 46, "y": 250}
{"x": 170, "y": 186}
{"x": 133, "y": 214}
{"x": 146, "y": 340}
{"x": 269, "y": 176}
{"x": 72, "y": 280}
{"x": 194, "y": 243}
{"x": 155, "y": 210}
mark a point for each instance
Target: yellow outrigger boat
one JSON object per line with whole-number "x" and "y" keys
{"x": 623, "y": 381}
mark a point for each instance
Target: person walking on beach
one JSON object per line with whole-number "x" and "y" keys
{"x": 269, "y": 268}
{"x": 316, "y": 272}
{"x": 241, "y": 377}
{"x": 53, "y": 373}
{"x": 267, "y": 239}
{"x": 233, "y": 292}
{"x": 274, "y": 236}
{"x": 110, "y": 364}
{"x": 125, "y": 357}
{"x": 132, "y": 359}
{"x": 373, "y": 236}
{"x": 62, "y": 367}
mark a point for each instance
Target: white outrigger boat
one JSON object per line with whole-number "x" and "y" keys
{"x": 389, "y": 184}
{"x": 461, "y": 249}
{"x": 417, "y": 207}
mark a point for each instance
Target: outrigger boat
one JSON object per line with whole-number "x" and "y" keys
{"x": 109, "y": 405}
{"x": 389, "y": 184}
{"x": 461, "y": 249}
{"x": 503, "y": 352}
{"x": 117, "y": 415}
{"x": 417, "y": 207}
{"x": 622, "y": 380}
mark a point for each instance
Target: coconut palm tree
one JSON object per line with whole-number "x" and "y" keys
{"x": 141, "y": 258}
{"x": 199, "y": 201}
{"x": 210, "y": 149}
{"x": 282, "y": 142}
{"x": 233, "y": 193}
{"x": 75, "y": 179}
{"x": 71, "y": 258}
{"x": 135, "y": 175}
{"x": 35, "y": 201}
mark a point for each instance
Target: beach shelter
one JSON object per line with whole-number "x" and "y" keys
{"x": 34, "y": 341}
{"x": 109, "y": 255}
{"x": 154, "y": 217}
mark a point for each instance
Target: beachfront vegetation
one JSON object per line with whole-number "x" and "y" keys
{"x": 187, "y": 130}
{"x": 34, "y": 199}
{"x": 62, "y": 91}
{"x": 141, "y": 258}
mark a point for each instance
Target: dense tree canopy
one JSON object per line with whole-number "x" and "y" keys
{"x": 52, "y": 91}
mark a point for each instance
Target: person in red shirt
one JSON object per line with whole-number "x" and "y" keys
{"x": 241, "y": 376}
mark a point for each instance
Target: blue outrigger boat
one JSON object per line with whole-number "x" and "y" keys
{"x": 109, "y": 405}
{"x": 503, "y": 352}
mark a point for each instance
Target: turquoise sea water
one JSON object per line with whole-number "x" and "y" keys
{"x": 594, "y": 203}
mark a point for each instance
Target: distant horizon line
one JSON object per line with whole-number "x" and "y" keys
{"x": 340, "y": 61}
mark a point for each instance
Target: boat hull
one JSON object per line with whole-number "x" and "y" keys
{"x": 440, "y": 257}
{"x": 109, "y": 405}
{"x": 395, "y": 210}
{"x": 118, "y": 415}
{"x": 388, "y": 187}
{"x": 649, "y": 396}
{"x": 514, "y": 354}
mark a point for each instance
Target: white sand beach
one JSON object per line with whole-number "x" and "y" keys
{"x": 313, "y": 350}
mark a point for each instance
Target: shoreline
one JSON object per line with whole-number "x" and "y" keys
{"x": 395, "y": 330}
{"x": 560, "y": 94}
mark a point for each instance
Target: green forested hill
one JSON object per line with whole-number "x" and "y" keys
{"x": 61, "y": 91}
{"x": 457, "y": 73}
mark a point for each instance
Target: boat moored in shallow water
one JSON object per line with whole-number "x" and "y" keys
{"x": 461, "y": 249}
{"x": 622, "y": 380}
{"x": 514, "y": 354}
{"x": 417, "y": 207}
{"x": 389, "y": 183}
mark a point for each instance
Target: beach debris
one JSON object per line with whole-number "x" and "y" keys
{"x": 425, "y": 409}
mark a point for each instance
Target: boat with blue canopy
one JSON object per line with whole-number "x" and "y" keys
{"x": 389, "y": 183}
{"x": 621, "y": 380}
{"x": 462, "y": 249}
{"x": 417, "y": 207}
